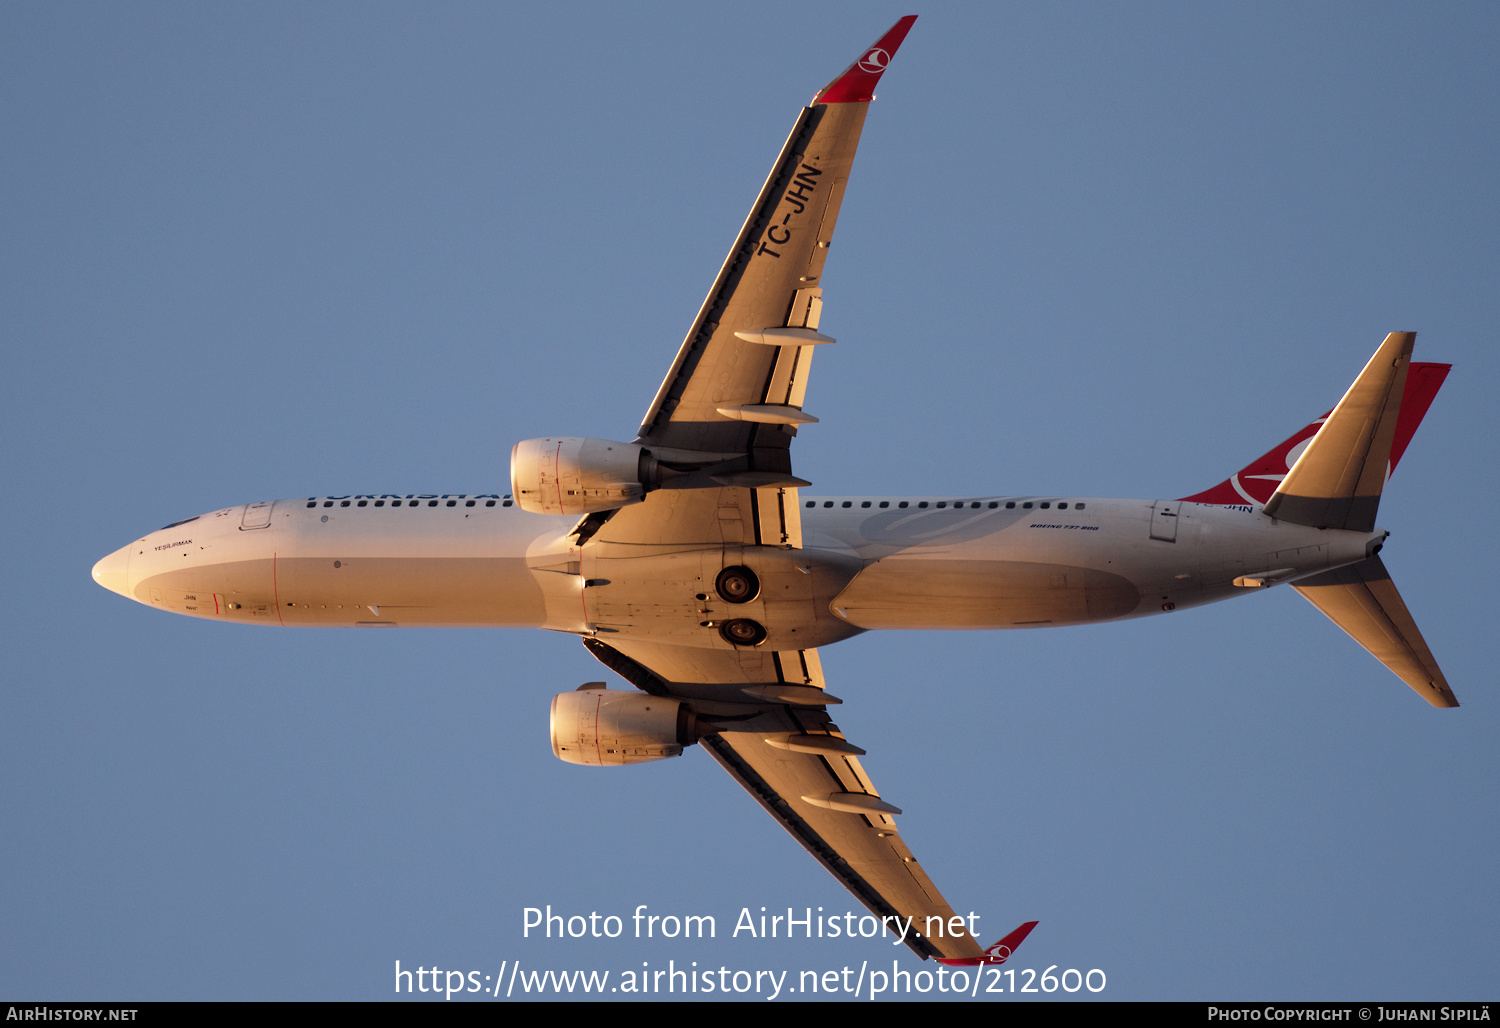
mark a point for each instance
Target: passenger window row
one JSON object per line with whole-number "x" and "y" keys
{"x": 957, "y": 504}
{"x": 410, "y": 503}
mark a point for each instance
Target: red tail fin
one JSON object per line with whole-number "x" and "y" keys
{"x": 1255, "y": 482}
{"x": 1422, "y": 384}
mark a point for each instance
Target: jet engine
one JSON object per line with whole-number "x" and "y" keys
{"x": 602, "y": 727}
{"x": 573, "y": 475}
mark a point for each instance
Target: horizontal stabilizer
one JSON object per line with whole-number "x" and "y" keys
{"x": 1337, "y": 481}
{"x": 1363, "y": 601}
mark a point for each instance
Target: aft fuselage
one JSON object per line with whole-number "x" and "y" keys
{"x": 866, "y": 563}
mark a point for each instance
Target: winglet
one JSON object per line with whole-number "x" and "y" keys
{"x": 856, "y": 84}
{"x": 999, "y": 953}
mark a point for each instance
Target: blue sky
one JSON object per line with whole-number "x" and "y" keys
{"x": 1103, "y": 250}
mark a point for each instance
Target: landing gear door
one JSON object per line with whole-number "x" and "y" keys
{"x": 1164, "y": 520}
{"x": 258, "y": 515}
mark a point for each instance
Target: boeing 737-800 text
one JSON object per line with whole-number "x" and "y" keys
{"x": 692, "y": 563}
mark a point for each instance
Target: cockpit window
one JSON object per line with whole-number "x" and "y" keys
{"x": 174, "y": 524}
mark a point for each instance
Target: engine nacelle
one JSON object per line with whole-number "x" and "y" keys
{"x": 602, "y": 727}
{"x": 572, "y": 475}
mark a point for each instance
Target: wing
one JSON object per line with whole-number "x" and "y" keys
{"x": 774, "y": 736}
{"x": 720, "y": 428}
{"x": 722, "y": 423}
{"x": 737, "y": 385}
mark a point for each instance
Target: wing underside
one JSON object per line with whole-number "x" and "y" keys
{"x": 722, "y": 425}
{"x": 793, "y": 759}
{"x": 737, "y": 384}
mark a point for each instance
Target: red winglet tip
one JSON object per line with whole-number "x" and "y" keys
{"x": 856, "y": 84}
{"x": 999, "y": 953}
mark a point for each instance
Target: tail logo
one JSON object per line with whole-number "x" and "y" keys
{"x": 1257, "y": 488}
{"x": 1257, "y": 483}
{"x": 875, "y": 61}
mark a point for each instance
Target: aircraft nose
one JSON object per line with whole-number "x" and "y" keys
{"x": 113, "y": 572}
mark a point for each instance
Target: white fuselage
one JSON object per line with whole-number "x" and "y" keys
{"x": 866, "y": 563}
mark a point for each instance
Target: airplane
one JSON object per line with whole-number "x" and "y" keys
{"x": 687, "y": 559}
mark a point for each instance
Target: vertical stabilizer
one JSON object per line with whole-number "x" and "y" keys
{"x": 1363, "y": 601}
{"x": 1257, "y": 481}
{"x": 1337, "y": 481}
